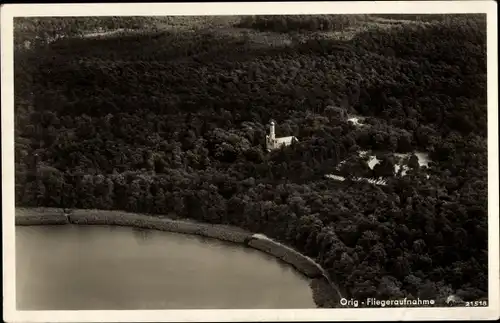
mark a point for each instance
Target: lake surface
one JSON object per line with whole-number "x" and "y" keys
{"x": 71, "y": 267}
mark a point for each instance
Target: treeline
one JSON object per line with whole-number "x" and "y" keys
{"x": 301, "y": 23}
{"x": 432, "y": 18}
{"x": 146, "y": 127}
{"x": 41, "y": 30}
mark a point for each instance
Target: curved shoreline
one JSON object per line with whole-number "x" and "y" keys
{"x": 325, "y": 292}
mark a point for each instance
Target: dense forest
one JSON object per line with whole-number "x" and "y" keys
{"x": 173, "y": 121}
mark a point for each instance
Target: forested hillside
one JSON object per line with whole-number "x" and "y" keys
{"x": 174, "y": 121}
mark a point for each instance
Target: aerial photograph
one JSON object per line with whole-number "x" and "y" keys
{"x": 250, "y": 161}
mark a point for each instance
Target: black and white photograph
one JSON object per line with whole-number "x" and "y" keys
{"x": 250, "y": 161}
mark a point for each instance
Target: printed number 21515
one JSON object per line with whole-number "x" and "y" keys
{"x": 482, "y": 303}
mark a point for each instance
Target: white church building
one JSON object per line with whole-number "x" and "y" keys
{"x": 274, "y": 143}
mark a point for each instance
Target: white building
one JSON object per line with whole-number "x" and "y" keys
{"x": 274, "y": 143}
{"x": 356, "y": 121}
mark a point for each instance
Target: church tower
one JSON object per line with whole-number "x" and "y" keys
{"x": 272, "y": 134}
{"x": 271, "y": 137}
{"x": 274, "y": 143}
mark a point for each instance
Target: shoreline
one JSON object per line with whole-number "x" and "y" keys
{"x": 325, "y": 293}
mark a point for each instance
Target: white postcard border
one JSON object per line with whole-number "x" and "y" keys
{"x": 240, "y": 8}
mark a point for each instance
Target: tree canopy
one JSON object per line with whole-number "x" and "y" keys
{"x": 174, "y": 122}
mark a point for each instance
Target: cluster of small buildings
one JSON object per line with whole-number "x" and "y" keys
{"x": 272, "y": 143}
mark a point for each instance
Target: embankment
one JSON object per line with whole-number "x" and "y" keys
{"x": 45, "y": 216}
{"x": 98, "y": 217}
{"x": 302, "y": 263}
{"x": 325, "y": 293}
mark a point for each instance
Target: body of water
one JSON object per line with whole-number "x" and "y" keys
{"x": 71, "y": 267}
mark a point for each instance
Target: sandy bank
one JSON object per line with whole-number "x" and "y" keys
{"x": 324, "y": 292}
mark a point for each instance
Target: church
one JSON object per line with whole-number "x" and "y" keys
{"x": 274, "y": 143}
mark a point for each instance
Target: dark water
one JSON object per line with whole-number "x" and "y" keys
{"x": 119, "y": 268}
